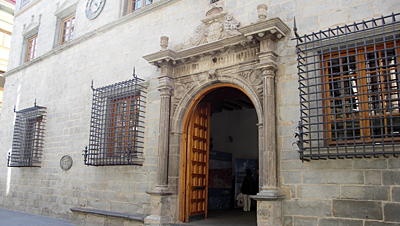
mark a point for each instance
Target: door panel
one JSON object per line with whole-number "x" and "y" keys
{"x": 197, "y": 163}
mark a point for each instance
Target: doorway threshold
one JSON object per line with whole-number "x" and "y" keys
{"x": 232, "y": 217}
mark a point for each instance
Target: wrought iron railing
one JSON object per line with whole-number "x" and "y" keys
{"x": 117, "y": 124}
{"x": 349, "y": 83}
{"x": 28, "y": 139}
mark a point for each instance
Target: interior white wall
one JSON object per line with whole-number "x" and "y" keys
{"x": 241, "y": 125}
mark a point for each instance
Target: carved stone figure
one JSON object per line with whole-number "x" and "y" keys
{"x": 231, "y": 25}
{"x": 214, "y": 31}
{"x": 216, "y": 25}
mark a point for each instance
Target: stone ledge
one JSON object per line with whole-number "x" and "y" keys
{"x": 124, "y": 216}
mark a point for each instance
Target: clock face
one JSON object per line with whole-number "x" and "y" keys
{"x": 94, "y": 8}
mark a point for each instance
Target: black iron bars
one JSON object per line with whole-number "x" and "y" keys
{"x": 349, "y": 84}
{"x": 117, "y": 124}
{"x": 28, "y": 139}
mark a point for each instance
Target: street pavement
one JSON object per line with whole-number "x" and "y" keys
{"x": 16, "y": 218}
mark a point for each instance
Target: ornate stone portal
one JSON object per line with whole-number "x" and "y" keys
{"x": 220, "y": 52}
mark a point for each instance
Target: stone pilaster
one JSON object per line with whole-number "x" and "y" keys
{"x": 268, "y": 65}
{"x": 269, "y": 199}
{"x": 161, "y": 194}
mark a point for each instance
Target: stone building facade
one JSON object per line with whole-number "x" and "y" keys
{"x": 186, "y": 51}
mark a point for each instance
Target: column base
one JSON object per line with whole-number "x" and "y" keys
{"x": 269, "y": 209}
{"x": 270, "y": 192}
{"x": 152, "y": 220}
{"x": 160, "y": 203}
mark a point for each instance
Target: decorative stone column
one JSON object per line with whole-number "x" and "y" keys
{"x": 160, "y": 195}
{"x": 269, "y": 199}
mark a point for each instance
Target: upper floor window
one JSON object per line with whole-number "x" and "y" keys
{"x": 5, "y": 39}
{"x": 67, "y": 29}
{"x": 28, "y": 140}
{"x": 138, "y": 4}
{"x": 349, "y": 82}
{"x": 31, "y": 48}
{"x": 117, "y": 125}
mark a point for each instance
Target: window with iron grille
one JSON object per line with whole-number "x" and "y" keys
{"x": 117, "y": 124}
{"x": 349, "y": 82}
{"x": 28, "y": 140}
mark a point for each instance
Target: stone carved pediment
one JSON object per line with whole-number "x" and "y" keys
{"x": 216, "y": 25}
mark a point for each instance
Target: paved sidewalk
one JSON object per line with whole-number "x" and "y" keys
{"x": 16, "y": 218}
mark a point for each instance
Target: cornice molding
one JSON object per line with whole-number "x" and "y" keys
{"x": 26, "y": 7}
{"x": 273, "y": 28}
{"x": 86, "y": 37}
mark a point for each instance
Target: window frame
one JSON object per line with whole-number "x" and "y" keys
{"x": 127, "y": 140}
{"x": 71, "y": 29}
{"x": 361, "y": 74}
{"x": 132, "y": 8}
{"x": 28, "y": 55}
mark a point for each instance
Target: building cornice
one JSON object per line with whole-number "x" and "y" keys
{"x": 123, "y": 20}
{"x": 26, "y": 7}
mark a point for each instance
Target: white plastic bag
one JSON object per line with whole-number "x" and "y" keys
{"x": 240, "y": 200}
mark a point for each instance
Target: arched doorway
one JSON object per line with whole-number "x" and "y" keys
{"x": 221, "y": 120}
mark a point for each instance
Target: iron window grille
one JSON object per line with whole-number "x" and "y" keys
{"x": 28, "y": 139}
{"x": 117, "y": 124}
{"x": 349, "y": 83}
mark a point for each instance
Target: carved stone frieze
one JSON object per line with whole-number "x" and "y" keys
{"x": 215, "y": 61}
{"x": 216, "y": 25}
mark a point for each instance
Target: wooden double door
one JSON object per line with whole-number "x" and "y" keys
{"x": 194, "y": 205}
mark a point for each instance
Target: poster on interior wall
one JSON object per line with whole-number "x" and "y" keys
{"x": 240, "y": 172}
{"x": 220, "y": 181}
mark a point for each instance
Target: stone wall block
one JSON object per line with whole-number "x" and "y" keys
{"x": 373, "y": 177}
{"x": 318, "y": 191}
{"x": 379, "y": 223}
{"x": 361, "y": 11}
{"x": 289, "y": 155}
{"x": 345, "y": 177}
{"x": 332, "y": 164}
{"x": 291, "y": 177}
{"x": 326, "y": 19}
{"x": 357, "y": 209}
{"x": 391, "y": 177}
{"x": 340, "y": 222}
{"x": 392, "y": 212}
{"x": 305, "y": 221}
{"x": 365, "y": 192}
{"x": 380, "y": 163}
{"x": 318, "y": 208}
{"x": 293, "y": 165}
{"x": 314, "y": 177}
{"x": 394, "y": 163}
{"x": 396, "y": 194}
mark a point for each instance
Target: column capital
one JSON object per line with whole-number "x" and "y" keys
{"x": 166, "y": 85}
{"x": 268, "y": 61}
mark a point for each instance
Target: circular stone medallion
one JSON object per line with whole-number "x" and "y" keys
{"x": 66, "y": 162}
